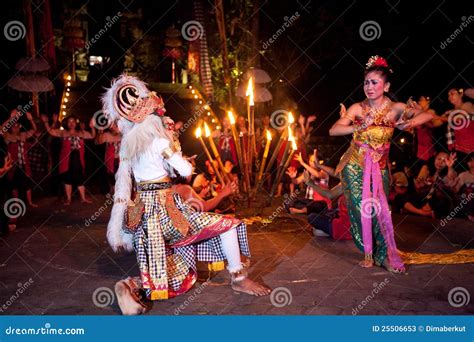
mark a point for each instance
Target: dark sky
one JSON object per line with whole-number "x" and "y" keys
{"x": 325, "y": 40}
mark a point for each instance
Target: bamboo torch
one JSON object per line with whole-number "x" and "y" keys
{"x": 281, "y": 168}
{"x": 207, "y": 132}
{"x": 291, "y": 120}
{"x": 245, "y": 170}
{"x": 209, "y": 157}
{"x": 290, "y": 157}
{"x": 251, "y": 117}
{"x": 265, "y": 155}
{"x": 236, "y": 138}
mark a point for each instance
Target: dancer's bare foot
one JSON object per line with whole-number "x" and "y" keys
{"x": 86, "y": 201}
{"x": 366, "y": 263}
{"x": 128, "y": 301}
{"x": 67, "y": 202}
{"x": 388, "y": 267}
{"x": 293, "y": 210}
{"x": 250, "y": 287}
{"x": 33, "y": 205}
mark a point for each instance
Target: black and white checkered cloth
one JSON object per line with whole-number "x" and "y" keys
{"x": 156, "y": 223}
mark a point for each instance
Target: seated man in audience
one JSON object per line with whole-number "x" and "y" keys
{"x": 313, "y": 201}
{"x": 465, "y": 187}
{"x": 405, "y": 201}
{"x": 333, "y": 223}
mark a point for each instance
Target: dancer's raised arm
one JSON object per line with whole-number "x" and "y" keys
{"x": 345, "y": 125}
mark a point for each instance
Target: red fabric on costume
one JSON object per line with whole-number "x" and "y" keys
{"x": 318, "y": 197}
{"x": 110, "y": 153}
{"x": 233, "y": 149}
{"x": 464, "y": 139}
{"x": 425, "y": 150}
{"x": 65, "y": 153}
{"x": 13, "y": 150}
{"x": 341, "y": 225}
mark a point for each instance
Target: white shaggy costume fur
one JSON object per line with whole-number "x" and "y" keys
{"x": 136, "y": 138}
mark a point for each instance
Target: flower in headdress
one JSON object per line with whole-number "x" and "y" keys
{"x": 376, "y": 61}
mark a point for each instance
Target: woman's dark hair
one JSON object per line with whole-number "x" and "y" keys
{"x": 66, "y": 119}
{"x": 431, "y": 166}
{"x": 384, "y": 71}
{"x": 180, "y": 180}
{"x": 460, "y": 91}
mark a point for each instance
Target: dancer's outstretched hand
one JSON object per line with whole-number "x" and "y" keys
{"x": 301, "y": 120}
{"x": 299, "y": 158}
{"x": 469, "y": 93}
{"x": 316, "y": 160}
{"x": 292, "y": 172}
{"x": 451, "y": 160}
{"x": 230, "y": 188}
{"x": 343, "y": 110}
{"x": 311, "y": 118}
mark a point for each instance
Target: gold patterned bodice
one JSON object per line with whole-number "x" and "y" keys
{"x": 376, "y": 136}
{"x": 380, "y": 131}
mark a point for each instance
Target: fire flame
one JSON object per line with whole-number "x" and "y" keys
{"x": 249, "y": 92}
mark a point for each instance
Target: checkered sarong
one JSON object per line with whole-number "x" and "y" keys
{"x": 450, "y": 138}
{"x": 38, "y": 156}
{"x": 163, "y": 266}
{"x": 21, "y": 154}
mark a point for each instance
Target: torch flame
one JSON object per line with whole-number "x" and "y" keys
{"x": 198, "y": 132}
{"x": 290, "y": 134}
{"x": 249, "y": 92}
{"x": 231, "y": 117}
{"x": 207, "y": 131}
{"x": 293, "y": 145}
{"x": 291, "y": 118}
{"x": 269, "y": 136}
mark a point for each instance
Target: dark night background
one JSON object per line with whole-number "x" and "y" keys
{"x": 319, "y": 59}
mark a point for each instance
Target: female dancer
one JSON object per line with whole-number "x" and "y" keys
{"x": 112, "y": 140}
{"x": 168, "y": 234}
{"x": 71, "y": 161}
{"x": 460, "y": 125}
{"x": 364, "y": 169}
{"x": 19, "y": 176}
{"x": 226, "y": 143}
